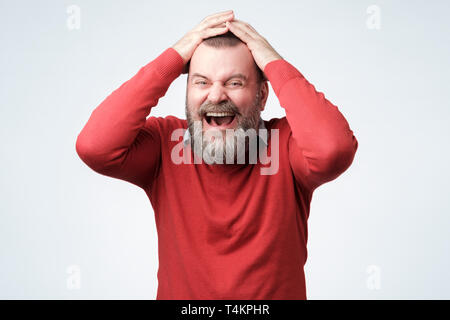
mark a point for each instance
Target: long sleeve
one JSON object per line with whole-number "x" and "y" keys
{"x": 117, "y": 140}
{"x": 321, "y": 145}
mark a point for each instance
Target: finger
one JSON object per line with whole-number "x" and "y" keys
{"x": 218, "y": 20}
{"x": 239, "y": 32}
{"x": 247, "y": 28}
{"x": 211, "y": 32}
{"x": 213, "y": 24}
{"x": 202, "y": 30}
{"x": 219, "y": 13}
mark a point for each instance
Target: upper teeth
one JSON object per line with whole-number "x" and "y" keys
{"x": 219, "y": 114}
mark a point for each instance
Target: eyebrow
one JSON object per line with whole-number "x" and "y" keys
{"x": 236, "y": 75}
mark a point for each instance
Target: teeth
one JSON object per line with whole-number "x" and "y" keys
{"x": 219, "y": 114}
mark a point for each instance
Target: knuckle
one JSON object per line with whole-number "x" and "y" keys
{"x": 200, "y": 35}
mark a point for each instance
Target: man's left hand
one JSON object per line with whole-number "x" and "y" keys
{"x": 262, "y": 51}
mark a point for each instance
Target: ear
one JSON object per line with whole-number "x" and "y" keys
{"x": 264, "y": 91}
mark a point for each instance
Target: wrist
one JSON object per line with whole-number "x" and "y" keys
{"x": 271, "y": 59}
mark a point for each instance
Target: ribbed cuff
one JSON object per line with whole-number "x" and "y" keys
{"x": 279, "y": 72}
{"x": 169, "y": 64}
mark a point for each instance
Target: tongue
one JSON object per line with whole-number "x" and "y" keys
{"x": 222, "y": 120}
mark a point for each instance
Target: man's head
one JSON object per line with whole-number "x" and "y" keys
{"x": 225, "y": 89}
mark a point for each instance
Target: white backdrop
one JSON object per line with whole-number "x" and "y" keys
{"x": 380, "y": 231}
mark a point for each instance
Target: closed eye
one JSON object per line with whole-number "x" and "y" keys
{"x": 235, "y": 84}
{"x": 232, "y": 84}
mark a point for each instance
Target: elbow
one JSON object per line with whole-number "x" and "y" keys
{"x": 96, "y": 156}
{"x": 341, "y": 156}
{"x": 88, "y": 153}
{"x": 337, "y": 157}
{"x": 83, "y": 149}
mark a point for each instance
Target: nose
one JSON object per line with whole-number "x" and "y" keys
{"x": 217, "y": 93}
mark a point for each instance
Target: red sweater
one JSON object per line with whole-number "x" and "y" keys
{"x": 224, "y": 231}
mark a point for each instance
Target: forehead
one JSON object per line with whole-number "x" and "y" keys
{"x": 218, "y": 63}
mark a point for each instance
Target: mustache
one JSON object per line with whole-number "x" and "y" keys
{"x": 226, "y": 106}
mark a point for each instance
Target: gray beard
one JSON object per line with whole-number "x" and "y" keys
{"x": 232, "y": 146}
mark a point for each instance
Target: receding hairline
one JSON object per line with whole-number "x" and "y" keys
{"x": 229, "y": 40}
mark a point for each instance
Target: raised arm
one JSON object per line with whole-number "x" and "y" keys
{"x": 321, "y": 146}
{"x": 116, "y": 141}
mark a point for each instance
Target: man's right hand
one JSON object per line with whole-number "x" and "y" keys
{"x": 211, "y": 26}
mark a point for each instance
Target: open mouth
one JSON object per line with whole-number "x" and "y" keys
{"x": 219, "y": 119}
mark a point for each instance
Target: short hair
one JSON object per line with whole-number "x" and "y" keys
{"x": 227, "y": 40}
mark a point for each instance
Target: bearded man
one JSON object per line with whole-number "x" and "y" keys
{"x": 218, "y": 125}
{"x": 231, "y": 224}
